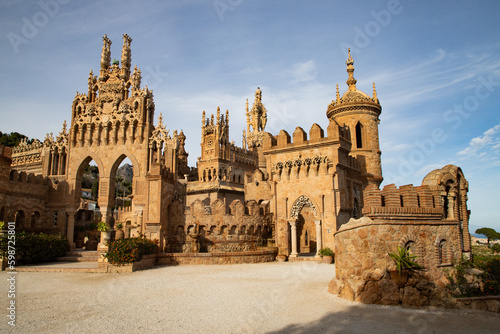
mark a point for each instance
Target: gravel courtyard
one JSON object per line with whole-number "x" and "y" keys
{"x": 253, "y": 298}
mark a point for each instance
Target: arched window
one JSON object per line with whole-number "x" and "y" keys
{"x": 442, "y": 251}
{"x": 359, "y": 135}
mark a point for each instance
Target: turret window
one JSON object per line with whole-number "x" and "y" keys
{"x": 359, "y": 135}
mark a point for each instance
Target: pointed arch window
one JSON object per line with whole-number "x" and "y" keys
{"x": 359, "y": 135}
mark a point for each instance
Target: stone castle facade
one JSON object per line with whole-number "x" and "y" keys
{"x": 298, "y": 192}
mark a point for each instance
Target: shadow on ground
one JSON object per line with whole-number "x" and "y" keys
{"x": 388, "y": 319}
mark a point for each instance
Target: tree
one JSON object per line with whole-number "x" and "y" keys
{"x": 95, "y": 189}
{"x": 489, "y": 233}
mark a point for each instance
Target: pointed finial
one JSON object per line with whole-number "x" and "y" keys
{"x": 247, "y": 107}
{"x": 338, "y": 94}
{"x": 374, "y": 92}
{"x": 160, "y": 120}
{"x": 203, "y": 118}
{"x": 351, "y": 82}
{"x": 218, "y": 114}
{"x": 227, "y": 116}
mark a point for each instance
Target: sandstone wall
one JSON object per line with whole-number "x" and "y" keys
{"x": 364, "y": 244}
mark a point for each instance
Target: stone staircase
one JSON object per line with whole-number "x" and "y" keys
{"x": 305, "y": 257}
{"x": 79, "y": 256}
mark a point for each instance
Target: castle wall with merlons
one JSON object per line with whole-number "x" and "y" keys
{"x": 317, "y": 173}
{"x": 215, "y": 228}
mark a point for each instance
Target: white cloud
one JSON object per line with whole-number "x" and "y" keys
{"x": 488, "y": 141}
{"x": 302, "y": 72}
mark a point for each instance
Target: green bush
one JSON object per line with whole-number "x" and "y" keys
{"x": 129, "y": 250}
{"x": 31, "y": 248}
{"x": 325, "y": 252}
{"x": 460, "y": 286}
{"x": 495, "y": 248}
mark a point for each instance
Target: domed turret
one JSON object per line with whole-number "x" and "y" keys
{"x": 360, "y": 112}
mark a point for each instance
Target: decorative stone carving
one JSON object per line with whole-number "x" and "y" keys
{"x": 299, "y": 204}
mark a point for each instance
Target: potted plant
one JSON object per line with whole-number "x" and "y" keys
{"x": 404, "y": 264}
{"x": 119, "y": 231}
{"x": 105, "y": 234}
{"x": 326, "y": 254}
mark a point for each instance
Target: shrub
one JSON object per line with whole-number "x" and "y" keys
{"x": 34, "y": 248}
{"x": 462, "y": 285}
{"x": 495, "y": 248}
{"x": 102, "y": 227}
{"x": 325, "y": 252}
{"x": 129, "y": 250}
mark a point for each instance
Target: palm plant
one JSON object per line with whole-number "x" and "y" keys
{"x": 404, "y": 260}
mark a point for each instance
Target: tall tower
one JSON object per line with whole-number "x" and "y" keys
{"x": 360, "y": 112}
{"x": 256, "y": 121}
{"x": 215, "y": 137}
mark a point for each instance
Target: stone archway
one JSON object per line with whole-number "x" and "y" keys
{"x": 306, "y": 232}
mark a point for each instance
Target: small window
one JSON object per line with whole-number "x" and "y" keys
{"x": 359, "y": 135}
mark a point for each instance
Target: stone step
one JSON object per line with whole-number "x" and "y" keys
{"x": 306, "y": 258}
{"x": 82, "y": 253}
{"x": 79, "y": 256}
{"x": 77, "y": 259}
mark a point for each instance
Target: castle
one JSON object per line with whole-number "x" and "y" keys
{"x": 299, "y": 192}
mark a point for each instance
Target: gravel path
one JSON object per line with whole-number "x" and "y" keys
{"x": 253, "y": 298}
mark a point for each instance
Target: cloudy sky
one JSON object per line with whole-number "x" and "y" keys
{"x": 435, "y": 63}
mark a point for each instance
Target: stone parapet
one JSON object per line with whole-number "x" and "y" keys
{"x": 259, "y": 256}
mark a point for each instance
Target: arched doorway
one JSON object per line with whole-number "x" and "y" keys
{"x": 306, "y": 231}
{"x": 305, "y": 228}
{"x": 20, "y": 221}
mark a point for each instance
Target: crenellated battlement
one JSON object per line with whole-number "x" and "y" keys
{"x": 335, "y": 132}
{"x": 405, "y": 200}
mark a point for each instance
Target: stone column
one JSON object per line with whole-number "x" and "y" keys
{"x": 293, "y": 225}
{"x": 319, "y": 237}
{"x": 70, "y": 232}
{"x": 451, "y": 206}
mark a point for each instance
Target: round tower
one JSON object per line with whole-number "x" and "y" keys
{"x": 360, "y": 112}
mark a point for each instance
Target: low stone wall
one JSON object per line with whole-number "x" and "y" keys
{"x": 364, "y": 244}
{"x": 490, "y": 303}
{"x": 148, "y": 261}
{"x": 376, "y": 287}
{"x": 264, "y": 255}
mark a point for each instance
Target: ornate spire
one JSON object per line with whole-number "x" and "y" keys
{"x": 203, "y": 119}
{"x": 218, "y": 115}
{"x": 374, "y": 93}
{"x": 351, "y": 82}
{"x": 126, "y": 60}
{"x": 227, "y": 116}
{"x": 338, "y": 94}
{"x": 106, "y": 52}
{"x": 160, "y": 121}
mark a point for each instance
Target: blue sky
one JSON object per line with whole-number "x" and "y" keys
{"x": 436, "y": 66}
